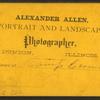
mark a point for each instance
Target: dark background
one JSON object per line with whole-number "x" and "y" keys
{"x": 52, "y": 1}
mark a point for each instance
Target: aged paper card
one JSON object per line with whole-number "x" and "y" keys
{"x": 49, "y": 49}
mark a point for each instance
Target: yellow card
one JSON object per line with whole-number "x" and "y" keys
{"x": 49, "y": 49}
